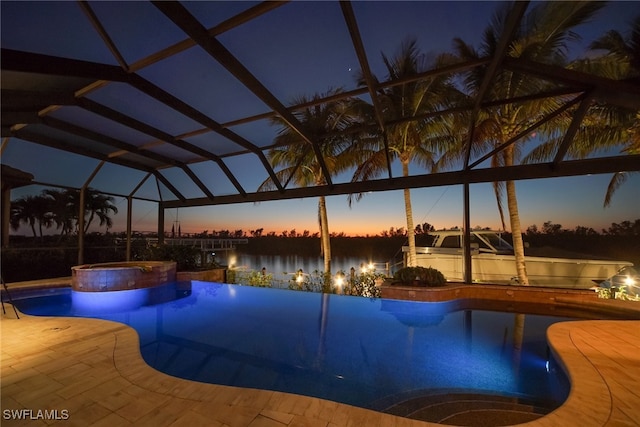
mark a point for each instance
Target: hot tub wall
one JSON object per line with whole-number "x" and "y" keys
{"x": 122, "y": 276}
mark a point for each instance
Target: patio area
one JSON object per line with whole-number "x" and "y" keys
{"x": 90, "y": 373}
{"x": 182, "y": 106}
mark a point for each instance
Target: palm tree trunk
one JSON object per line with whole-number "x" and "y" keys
{"x": 324, "y": 234}
{"x": 411, "y": 236}
{"x": 514, "y": 218}
{"x": 86, "y": 227}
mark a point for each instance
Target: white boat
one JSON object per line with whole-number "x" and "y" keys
{"x": 492, "y": 261}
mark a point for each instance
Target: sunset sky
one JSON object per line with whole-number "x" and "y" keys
{"x": 566, "y": 201}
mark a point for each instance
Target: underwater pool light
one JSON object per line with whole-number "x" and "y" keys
{"x": 546, "y": 365}
{"x": 85, "y": 303}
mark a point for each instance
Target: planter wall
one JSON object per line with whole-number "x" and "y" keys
{"x": 218, "y": 275}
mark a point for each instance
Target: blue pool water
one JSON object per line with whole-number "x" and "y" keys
{"x": 365, "y": 352}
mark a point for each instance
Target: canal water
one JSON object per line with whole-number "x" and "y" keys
{"x": 285, "y": 266}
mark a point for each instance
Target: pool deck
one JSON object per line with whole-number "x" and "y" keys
{"x": 93, "y": 371}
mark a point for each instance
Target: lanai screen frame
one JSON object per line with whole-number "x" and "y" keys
{"x": 26, "y": 112}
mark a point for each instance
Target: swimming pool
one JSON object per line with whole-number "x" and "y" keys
{"x": 371, "y": 353}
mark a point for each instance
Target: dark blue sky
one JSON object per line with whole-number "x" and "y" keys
{"x": 298, "y": 49}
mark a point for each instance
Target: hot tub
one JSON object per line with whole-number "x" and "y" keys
{"x": 120, "y": 276}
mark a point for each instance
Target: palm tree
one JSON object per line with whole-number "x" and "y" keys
{"x": 542, "y": 36}
{"x": 605, "y": 126}
{"x": 23, "y": 211}
{"x": 29, "y": 210}
{"x": 62, "y": 208}
{"x": 298, "y": 161}
{"x": 409, "y": 141}
{"x": 98, "y": 204}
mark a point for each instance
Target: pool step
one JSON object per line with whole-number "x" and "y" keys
{"x": 470, "y": 409}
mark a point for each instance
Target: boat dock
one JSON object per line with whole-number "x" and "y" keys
{"x": 204, "y": 244}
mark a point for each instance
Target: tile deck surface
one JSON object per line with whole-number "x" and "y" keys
{"x": 91, "y": 372}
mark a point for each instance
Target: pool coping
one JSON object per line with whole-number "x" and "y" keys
{"x": 596, "y": 355}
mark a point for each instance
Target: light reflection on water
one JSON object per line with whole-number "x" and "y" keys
{"x": 283, "y": 267}
{"x": 364, "y": 352}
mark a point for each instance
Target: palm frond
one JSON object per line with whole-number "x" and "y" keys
{"x": 373, "y": 166}
{"x": 611, "y": 41}
{"x": 617, "y": 180}
{"x": 551, "y": 28}
{"x": 543, "y": 152}
{"x": 282, "y": 175}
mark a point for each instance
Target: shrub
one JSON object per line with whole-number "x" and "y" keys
{"x": 364, "y": 284}
{"x": 317, "y": 281}
{"x": 186, "y": 257}
{"x": 421, "y": 276}
{"x": 250, "y": 278}
{"x": 620, "y": 293}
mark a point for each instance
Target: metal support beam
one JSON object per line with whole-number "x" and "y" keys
{"x": 474, "y": 176}
{"x": 229, "y": 24}
{"x": 166, "y": 98}
{"x": 129, "y": 216}
{"x": 622, "y": 93}
{"x": 103, "y": 33}
{"x": 6, "y": 214}
{"x": 578, "y": 116}
{"x": 512, "y": 22}
{"x": 370, "y": 80}
{"x": 161, "y": 207}
{"x": 116, "y": 116}
{"x": 466, "y": 236}
{"x": 528, "y": 130}
{"x": 81, "y": 213}
{"x": 190, "y": 25}
{"x": 28, "y": 62}
{"x": 449, "y": 69}
{"x": 60, "y": 144}
{"x": 197, "y": 181}
{"x": 169, "y": 185}
{"x": 123, "y": 119}
{"x": 43, "y": 98}
{"x": 122, "y": 146}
